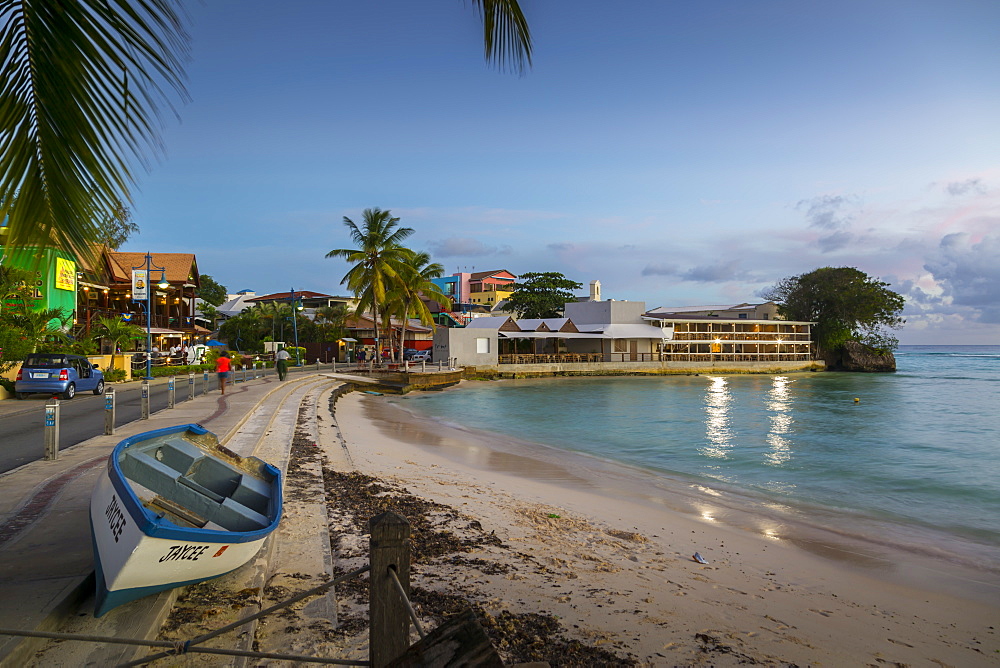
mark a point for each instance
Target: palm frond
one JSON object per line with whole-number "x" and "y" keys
{"x": 82, "y": 88}
{"x": 506, "y": 38}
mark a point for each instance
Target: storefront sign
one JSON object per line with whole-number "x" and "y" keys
{"x": 65, "y": 278}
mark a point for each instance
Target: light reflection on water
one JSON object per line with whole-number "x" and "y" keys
{"x": 918, "y": 448}
{"x": 780, "y": 405}
{"x": 717, "y": 419}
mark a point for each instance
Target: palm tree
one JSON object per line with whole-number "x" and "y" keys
{"x": 83, "y": 85}
{"x": 378, "y": 261}
{"x": 414, "y": 284}
{"x": 117, "y": 332}
{"x": 82, "y": 90}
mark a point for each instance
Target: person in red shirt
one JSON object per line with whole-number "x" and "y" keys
{"x": 222, "y": 368}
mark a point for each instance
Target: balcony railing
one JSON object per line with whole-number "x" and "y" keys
{"x": 620, "y": 357}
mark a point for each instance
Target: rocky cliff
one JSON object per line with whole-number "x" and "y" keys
{"x": 856, "y": 356}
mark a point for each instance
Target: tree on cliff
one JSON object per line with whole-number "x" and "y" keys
{"x": 541, "y": 295}
{"x": 846, "y": 304}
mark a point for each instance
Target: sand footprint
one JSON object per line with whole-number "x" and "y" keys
{"x": 825, "y": 613}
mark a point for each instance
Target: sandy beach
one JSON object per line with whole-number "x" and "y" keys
{"x": 580, "y": 542}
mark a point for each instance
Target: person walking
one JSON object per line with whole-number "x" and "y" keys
{"x": 222, "y": 368}
{"x": 282, "y": 363}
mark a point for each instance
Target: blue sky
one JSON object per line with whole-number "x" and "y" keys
{"x": 681, "y": 152}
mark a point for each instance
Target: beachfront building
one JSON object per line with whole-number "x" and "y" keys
{"x": 612, "y": 336}
{"x": 472, "y": 295}
{"x": 737, "y": 333}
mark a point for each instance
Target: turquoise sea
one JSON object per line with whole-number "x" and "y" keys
{"x": 909, "y": 459}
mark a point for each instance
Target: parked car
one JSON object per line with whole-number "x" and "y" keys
{"x": 56, "y": 373}
{"x": 409, "y": 352}
{"x": 422, "y": 356}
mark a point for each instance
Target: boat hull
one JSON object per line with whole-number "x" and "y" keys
{"x": 138, "y": 552}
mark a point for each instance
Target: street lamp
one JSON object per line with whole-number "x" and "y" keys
{"x": 295, "y": 326}
{"x": 138, "y": 288}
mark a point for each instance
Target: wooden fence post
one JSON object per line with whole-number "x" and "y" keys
{"x": 389, "y": 621}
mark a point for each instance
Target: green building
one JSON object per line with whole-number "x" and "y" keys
{"x": 54, "y": 271}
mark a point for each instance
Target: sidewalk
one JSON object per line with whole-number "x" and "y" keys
{"x": 46, "y": 561}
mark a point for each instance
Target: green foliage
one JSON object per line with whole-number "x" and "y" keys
{"x": 298, "y": 354}
{"x": 210, "y": 291}
{"x": 379, "y": 259}
{"x": 84, "y": 86}
{"x": 114, "y": 375}
{"x": 846, "y": 304}
{"x": 167, "y": 371}
{"x": 116, "y": 228}
{"x": 405, "y": 298}
{"x": 541, "y": 294}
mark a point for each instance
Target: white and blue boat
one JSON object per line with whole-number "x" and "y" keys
{"x": 174, "y": 508}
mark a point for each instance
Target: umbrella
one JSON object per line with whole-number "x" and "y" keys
{"x": 215, "y": 343}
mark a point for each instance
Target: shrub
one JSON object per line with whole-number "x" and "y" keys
{"x": 114, "y": 375}
{"x": 166, "y": 371}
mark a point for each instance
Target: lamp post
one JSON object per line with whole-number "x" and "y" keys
{"x": 295, "y": 327}
{"x": 148, "y": 266}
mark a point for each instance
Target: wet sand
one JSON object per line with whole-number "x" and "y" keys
{"x": 616, "y": 545}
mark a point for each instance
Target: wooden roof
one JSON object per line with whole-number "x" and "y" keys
{"x": 178, "y": 267}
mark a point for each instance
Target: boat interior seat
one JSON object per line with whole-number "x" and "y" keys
{"x": 237, "y": 517}
{"x": 215, "y": 476}
{"x": 148, "y": 472}
{"x": 253, "y": 493}
{"x": 177, "y": 454}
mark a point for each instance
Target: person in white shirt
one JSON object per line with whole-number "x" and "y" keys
{"x": 282, "y": 363}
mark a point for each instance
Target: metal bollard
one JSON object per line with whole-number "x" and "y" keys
{"x": 170, "y": 392}
{"x": 317, "y": 364}
{"x": 190, "y": 385}
{"x": 52, "y": 429}
{"x": 204, "y": 386}
{"x": 145, "y": 401}
{"x": 109, "y": 412}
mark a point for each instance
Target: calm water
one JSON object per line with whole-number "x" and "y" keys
{"x": 918, "y": 455}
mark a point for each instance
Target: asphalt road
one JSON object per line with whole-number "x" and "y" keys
{"x": 22, "y": 432}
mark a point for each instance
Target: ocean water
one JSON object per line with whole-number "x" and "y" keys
{"x": 911, "y": 457}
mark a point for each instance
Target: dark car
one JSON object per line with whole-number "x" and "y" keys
{"x": 56, "y": 373}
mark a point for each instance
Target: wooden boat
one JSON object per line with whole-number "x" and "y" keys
{"x": 175, "y": 507}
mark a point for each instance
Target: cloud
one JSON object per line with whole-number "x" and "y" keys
{"x": 715, "y": 273}
{"x": 560, "y": 247}
{"x": 659, "y": 270}
{"x": 465, "y": 247}
{"x": 957, "y": 188}
{"x": 827, "y": 211}
{"x": 969, "y": 273}
{"x": 834, "y": 241}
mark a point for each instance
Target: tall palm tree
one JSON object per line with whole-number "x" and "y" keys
{"x": 83, "y": 85}
{"x": 413, "y": 285}
{"x": 378, "y": 261}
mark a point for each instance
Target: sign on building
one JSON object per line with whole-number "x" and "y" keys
{"x": 140, "y": 285}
